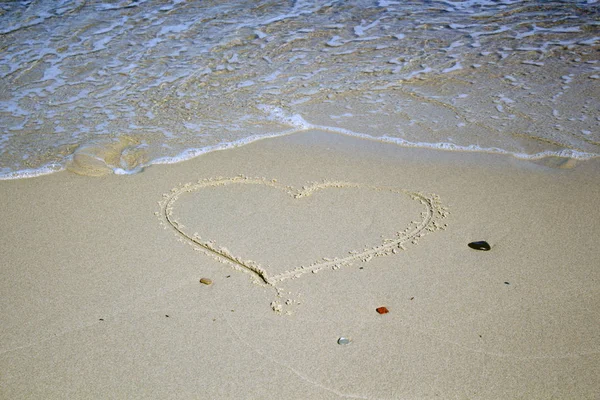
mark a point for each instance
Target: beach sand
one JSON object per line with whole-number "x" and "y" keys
{"x": 101, "y": 295}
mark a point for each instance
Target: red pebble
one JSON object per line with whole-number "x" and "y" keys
{"x": 382, "y": 310}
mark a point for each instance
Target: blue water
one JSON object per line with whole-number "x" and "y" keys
{"x": 102, "y": 87}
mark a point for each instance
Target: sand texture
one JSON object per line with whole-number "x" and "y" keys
{"x": 299, "y": 240}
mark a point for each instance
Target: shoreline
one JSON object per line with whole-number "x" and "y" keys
{"x": 99, "y": 159}
{"x": 101, "y": 301}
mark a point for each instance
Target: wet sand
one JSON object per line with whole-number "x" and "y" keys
{"x": 102, "y": 299}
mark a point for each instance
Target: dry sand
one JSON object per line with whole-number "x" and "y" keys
{"x": 101, "y": 295}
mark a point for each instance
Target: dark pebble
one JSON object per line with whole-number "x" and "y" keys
{"x": 481, "y": 245}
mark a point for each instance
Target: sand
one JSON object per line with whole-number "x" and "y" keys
{"x": 303, "y": 237}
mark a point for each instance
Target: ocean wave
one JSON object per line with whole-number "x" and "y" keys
{"x": 184, "y": 78}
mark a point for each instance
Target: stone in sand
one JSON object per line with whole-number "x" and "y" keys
{"x": 206, "y": 281}
{"x": 343, "y": 340}
{"x": 382, "y": 310}
{"x": 481, "y": 245}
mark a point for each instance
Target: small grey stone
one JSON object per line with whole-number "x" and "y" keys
{"x": 343, "y": 340}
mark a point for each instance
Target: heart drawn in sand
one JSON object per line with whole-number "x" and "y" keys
{"x": 239, "y": 206}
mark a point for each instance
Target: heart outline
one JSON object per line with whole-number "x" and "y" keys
{"x": 433, "y": 214}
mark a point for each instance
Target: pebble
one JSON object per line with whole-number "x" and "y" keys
{"x": 382, "y": 310}
{"x": 343, "y": 340}
{"x": 481, "y": 245}
{"x": 206, "y": 281}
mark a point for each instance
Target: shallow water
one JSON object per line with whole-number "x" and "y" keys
{"x": 102, "y": 87}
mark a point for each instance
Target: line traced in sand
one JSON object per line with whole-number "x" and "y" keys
{"x": 432, "y": 216}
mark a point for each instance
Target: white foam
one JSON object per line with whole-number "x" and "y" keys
{"x": 590, "y": 42}
{"x": 277, "y": 114}
{"x": 567, "y": 78}
{"x": 174, "y": 28}
{"x": 488, "y": 33}
{"x": 188, "y": 154}
{"x": 536, "y": 63}
{"x": 454, "y": 45}
{"x": 425, "y": 70}
{"x": 121, "y": 171}
{"x": 246, "y": 84}
{"x": 454, "y": 147}
{"x": 360, "y": 30}
{"x": 505, "y": 99}
{"x": 335, "y": 42}
{"x": 111, "y": 27}
{"x": 455, "y": 67}
{"x": 386, "y": 3}
{"x": 31, "y": 173}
